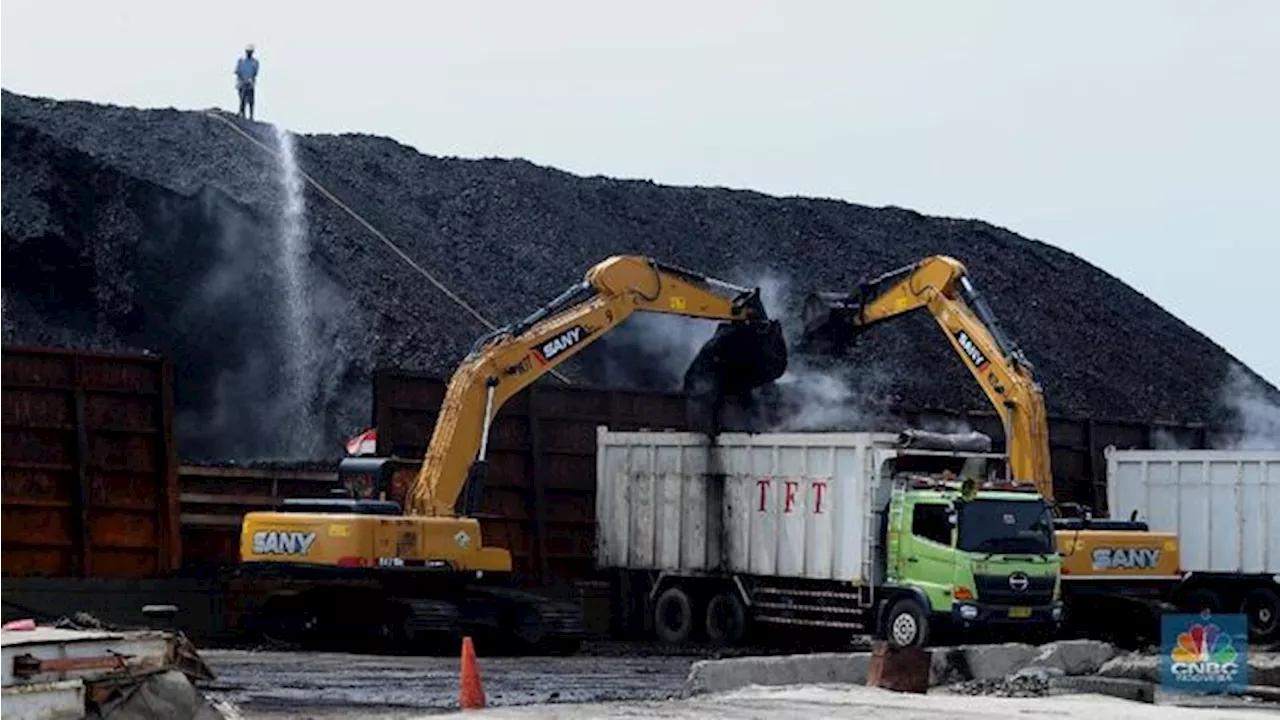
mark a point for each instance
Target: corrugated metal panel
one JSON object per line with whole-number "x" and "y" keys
{"x": 89, "y": 470}
{"x": 1224, "y": 505}
{"x": 781, "y": 504}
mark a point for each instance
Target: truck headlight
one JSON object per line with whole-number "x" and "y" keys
{"x": 968, "y": 612}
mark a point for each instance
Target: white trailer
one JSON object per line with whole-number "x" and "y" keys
{"x": 1225, "y": 508}
{"x": 794, "y": 529}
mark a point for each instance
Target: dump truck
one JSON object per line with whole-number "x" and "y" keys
{"x": 1225, "y": 508}
{"x": 903, "y": 536}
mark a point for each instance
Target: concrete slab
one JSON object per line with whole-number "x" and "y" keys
{"x": 712, "y": 676}
{"x": 1264, "y": 668}
{"x": 948, "y": 665}
{"x": 1073, "y": 657}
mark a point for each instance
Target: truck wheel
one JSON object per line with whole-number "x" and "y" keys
{"x": 673, "y": 616}
{"x": 1262, "y": 606}
{"x": 1201, "y": 599}
{"x": 906, "y": 624}
{"x": 726, "y": 619}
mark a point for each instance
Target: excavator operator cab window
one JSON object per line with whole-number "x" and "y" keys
{"x": 365, "y": 478}
{"x": 365, "y": 482}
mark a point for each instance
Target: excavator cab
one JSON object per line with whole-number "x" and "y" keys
{"x": 365, "y": 482}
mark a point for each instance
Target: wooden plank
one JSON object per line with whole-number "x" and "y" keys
{"x": 222, "y": 472}
{"x": 205, "y": 520}
{"x": 264, "y": 501}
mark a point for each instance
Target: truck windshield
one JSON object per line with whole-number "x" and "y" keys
{"x": 1005, "y": 526}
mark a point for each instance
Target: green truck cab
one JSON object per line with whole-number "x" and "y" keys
{"x": 967, "y": 557}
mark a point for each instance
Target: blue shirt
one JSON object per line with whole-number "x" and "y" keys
{"x": 247, "y": 69}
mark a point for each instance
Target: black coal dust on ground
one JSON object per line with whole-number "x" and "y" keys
{"x": 158, "y": 230}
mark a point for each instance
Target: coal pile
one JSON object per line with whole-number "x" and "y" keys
{"x": 158, "y": 230}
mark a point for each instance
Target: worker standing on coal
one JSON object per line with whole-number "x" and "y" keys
{"x": 246, "y": 77}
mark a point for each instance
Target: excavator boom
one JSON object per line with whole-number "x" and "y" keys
{"x": 939, "y": 284}
{"x": 505, "y": 362}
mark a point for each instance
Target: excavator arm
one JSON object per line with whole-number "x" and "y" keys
{"x": 506, "y": 361}
{"x": 939, "y": 284}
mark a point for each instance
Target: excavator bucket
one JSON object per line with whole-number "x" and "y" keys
{"x": 829, "y": 326}
{"x": 739, "y": 358}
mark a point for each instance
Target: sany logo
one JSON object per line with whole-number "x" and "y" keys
{"x": 274, "y": 542}
{"x": 1125, "y": 558}
{"x": 970, "y": 348}
{"x": 790, "y": 489}
{"x": 561, "y": 342}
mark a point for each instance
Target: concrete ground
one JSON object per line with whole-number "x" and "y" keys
{"x": 831, "y": 702}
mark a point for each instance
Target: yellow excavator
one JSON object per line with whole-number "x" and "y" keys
{"x": 362, "y": 570}
{"x": 1110, "y": 568}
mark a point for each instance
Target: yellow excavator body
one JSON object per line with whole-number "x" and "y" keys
{"x": 419, "y": 559}
{"x": 362, "y": 541}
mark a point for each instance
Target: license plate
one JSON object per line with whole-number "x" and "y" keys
{"x": 1019, "y": 612}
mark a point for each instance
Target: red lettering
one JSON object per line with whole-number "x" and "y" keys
{"x": 791, "y": 495}
{"x": 763, "y": 484}
{"x": 818, "y": 487}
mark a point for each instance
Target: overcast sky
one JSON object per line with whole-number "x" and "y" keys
{"x": 1142, "y": 136}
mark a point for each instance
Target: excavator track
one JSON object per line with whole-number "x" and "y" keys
{"x": 533, "y": 624}
{"x": 381, "y": 615}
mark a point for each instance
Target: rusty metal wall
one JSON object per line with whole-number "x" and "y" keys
{"x": 88, "y": 468}
{"x": 215, "y": 498}
{"x": 540, "y": 492}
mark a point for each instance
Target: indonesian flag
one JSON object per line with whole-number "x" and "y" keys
{"x": 366, "y": 443}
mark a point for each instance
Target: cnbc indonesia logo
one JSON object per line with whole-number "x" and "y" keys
{"x": 1204, "y": 654}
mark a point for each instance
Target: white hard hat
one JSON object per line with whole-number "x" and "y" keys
{"x": 248, "y": 48}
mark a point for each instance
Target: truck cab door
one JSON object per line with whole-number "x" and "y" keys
{"x": 927, "y": 553}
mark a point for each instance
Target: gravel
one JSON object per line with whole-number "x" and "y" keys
{"x": 1018, "y": 686}
{"x": 157, "y": 230}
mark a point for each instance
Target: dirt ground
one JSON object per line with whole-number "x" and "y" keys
{"x": 293, "y": 685}
{"x": 619, "y": 684}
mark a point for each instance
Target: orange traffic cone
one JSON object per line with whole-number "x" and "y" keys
{"x": 471, "y": 695}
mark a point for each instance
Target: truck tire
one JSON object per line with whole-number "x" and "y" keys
{"x": 1262, "y": 606}
{"x": 906, "y": 624}
{"x": 726, "y": 618}
{"x": 673, "y": 616}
